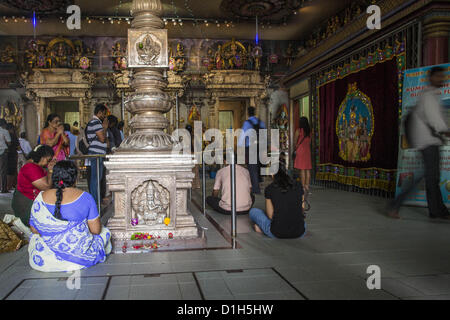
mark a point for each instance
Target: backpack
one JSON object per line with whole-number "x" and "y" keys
{"x": 83, "y": 144}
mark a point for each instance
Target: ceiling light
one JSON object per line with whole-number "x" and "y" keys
{"x": 129, "y": 22}
{"x": 6, "y": 20}
{"x": 181, "y": 23}
{"x": 89, "y": 21}
{"x": 174, "y": 23}
{"x": 165, "y": 22}
{"x": 218, "y": 25}
{"x": 112, "y": 21}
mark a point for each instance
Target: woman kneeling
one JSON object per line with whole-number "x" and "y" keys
{"x": 67, "y": 232}
{"x": 285, "y": 218}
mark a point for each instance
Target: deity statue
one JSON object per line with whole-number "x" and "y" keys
{"x": 148, "y": 50}
{"x": 78, "y": 54}
{"x": 218, "y": 58}
{"x": 150, "y": 203}
{"x": 42, "y": 59}
{"x": 289, "y": 55}
{"x": 281, "y": 122}
{"x": 337, "y": 24}
{"x": 180, "y": 60}
{"x": 194, "y": 115}
{"x": 59, "y": 56}
{"x": 329, "y": 30}
{"x": 31, "y": 54}
{"x": 119, "y": 57}
{"x": 347, "y": 16}
{"x": 12, "y": 114}
{"x": 301, "y": 51}
{"x": 210, "y": 57}
{"x": 7, "y": 55}
{"x": 250, "y": 60}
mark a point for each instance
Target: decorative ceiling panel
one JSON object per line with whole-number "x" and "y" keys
{"x": 39, "y": 6}
{"x": 274, "y": 11}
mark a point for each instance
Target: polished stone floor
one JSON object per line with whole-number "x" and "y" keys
{"x": 346, "y": 233}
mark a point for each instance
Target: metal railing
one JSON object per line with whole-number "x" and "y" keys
{"x": 96, "y": 157}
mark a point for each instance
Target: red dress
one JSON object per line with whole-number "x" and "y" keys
{"x": 303, "y": 152}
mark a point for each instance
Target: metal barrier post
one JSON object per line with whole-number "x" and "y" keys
{"x": 203, "y": 185}
{"x": 233, "y": 200}
{"x": 97, "y": 159}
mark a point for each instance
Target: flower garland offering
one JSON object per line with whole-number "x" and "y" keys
{"x": 167, "y": 221}
{"x": 141, "y": 236}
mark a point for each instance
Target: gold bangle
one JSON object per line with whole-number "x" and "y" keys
{"x": 51, "y": 171}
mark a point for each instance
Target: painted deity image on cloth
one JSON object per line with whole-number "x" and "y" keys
{"x": 355, "y": 126}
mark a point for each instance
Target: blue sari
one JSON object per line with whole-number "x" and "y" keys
{"x": 64, "y": 245}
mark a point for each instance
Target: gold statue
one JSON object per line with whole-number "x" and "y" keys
{"x": 233, "y": 51}
{"x": 180, "y": 60}
{"x": 210, "y": 55}
{"x": 7, "y": 55}
{"x": 118, "y": 55}
{"x": 289, "y": 55}
{"x": 218, "y": 58}
{"x": 14, "y": 116}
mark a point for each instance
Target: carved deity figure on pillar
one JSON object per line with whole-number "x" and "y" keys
{"x": 150, "y": 204}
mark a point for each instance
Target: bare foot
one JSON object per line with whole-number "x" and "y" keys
{"x": 257, "y": 229}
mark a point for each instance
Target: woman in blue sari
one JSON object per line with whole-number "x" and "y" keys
{"x": 66, "y": 226}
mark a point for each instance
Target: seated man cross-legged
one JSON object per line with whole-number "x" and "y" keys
{"x": 244, "y": 198}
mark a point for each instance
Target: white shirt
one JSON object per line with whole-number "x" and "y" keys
{"x": 4, "y": 137}
{"x": 25, "y": 146}
{"x": 429, "y": 113}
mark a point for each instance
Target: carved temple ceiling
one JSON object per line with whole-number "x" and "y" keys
{"x": 39, "y": 6}
{"x": 279, "y": 19}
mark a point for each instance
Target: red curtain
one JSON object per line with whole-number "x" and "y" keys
{"x": 380, "y": 84}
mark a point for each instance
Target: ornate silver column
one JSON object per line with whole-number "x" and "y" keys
{"x": 148, "y": 57}
{"x": 149, "y": 182}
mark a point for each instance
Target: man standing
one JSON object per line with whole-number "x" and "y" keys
{"x": 244, "y": 198}
{"x": 254, "y": 168}
{"x": 5, "y": 140}
{"x": 427, "y": 125}
{"x": 96, "y": 136}
{"x": 72, "y": 139}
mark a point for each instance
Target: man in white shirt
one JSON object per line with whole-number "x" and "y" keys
{"x": 24, "y": 144}
{"x": 25, "y": 149}
{"x": 427, "y": 127}
{"x": 222, "y": 184}
{"x": 5, "y": 140}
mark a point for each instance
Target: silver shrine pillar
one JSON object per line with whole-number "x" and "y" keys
{"x": 149, "y": 182}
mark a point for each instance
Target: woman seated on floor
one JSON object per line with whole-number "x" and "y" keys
{"x": 284, "y": 216}
{"x": 31, "y": 180}
{"x": 66, "y": 226}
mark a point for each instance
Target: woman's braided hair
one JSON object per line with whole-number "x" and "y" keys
{"x": 64, "y": 176}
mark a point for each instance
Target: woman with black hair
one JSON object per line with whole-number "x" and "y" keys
{"x": 284, "y": 216}
{"x": 303, "y": 152}
{"x": 66, "y": 226}
{"x": 31, "y": 180}
{"x": 53, "y": 135}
